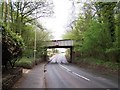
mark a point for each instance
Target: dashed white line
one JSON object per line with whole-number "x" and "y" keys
{"x": 81, "y": 76}
{"x": 74, "y": 73}
{"x": 65, "y": 68}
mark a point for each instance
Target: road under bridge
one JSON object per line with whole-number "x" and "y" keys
{"x": 66, "y": 43}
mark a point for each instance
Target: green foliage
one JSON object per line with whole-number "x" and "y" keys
{"x": 28, "y": 38}
{"x": 25, "y": 62}
{"x": 97, "y": 34}
{"x": 92, "y": 37}
{"x": 0, "y": 14}
{"x": 99, "y": 62}
{"x": 13, "y": 46}
{"x": 117, "y": 20}
{"x": 21, "y": 23}
{"x": 41, "y": 38}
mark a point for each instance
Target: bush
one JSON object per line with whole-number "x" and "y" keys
{"x": 98, "y": 62}
{"x": 25, "y": 63}
{"x": 12, "y": 47}
{"x": 113, "y": 54}
{"x": 28, "y": 63}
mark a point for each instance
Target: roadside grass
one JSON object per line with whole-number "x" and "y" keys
{"x": 98, "y": 62}
{"x": 25, "y": 62}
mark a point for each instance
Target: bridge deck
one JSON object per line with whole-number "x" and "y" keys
{"x": 60, "y": 43}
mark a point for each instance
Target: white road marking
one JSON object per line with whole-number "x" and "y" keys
{"x": 65, "y": 68}
{"x": 74, "y": 73}
{"x": 81, "y": 76}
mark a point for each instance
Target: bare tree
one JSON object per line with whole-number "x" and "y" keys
{"x": 23, "y": 12}
{"x": 27, "y": 9}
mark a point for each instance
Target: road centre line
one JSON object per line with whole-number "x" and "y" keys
{"x": 81, "y": 76}
{"x": 74, "y": 73}
{"x": 65, "y": 68}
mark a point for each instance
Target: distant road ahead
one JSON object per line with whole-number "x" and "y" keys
{"x": 71, "y": 76}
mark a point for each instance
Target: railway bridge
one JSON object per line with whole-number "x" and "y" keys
{"x": 66, "y": 43}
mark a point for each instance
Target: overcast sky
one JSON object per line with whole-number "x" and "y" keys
{"x": 64, "y": 12}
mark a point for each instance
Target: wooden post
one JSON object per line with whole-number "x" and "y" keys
{"x": 71, "y": 49}
{"x": 45, "y": 55}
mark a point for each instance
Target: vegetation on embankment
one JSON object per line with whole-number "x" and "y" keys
{"x": 99, "y": 65}
{"x": 25, "y": 62}
{"x": 96, "y": 34}
{"x": 28, "y": 63}
{"x": 22, "y": 36}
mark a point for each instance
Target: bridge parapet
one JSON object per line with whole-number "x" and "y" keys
{"x": 65, "y": 42}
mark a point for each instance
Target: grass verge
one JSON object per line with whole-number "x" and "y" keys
{"x": 98, "y": 64}
{"x": 25, "y": 62}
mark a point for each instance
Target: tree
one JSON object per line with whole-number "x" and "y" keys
{"x": 17, "y": 14}
{"x": 106, "y": 15}
{"x": 19, "y": 19}
{"x": 12, "y": 48}
{"x": 96, "y": 31}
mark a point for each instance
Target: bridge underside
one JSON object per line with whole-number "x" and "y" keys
{"x": 66, "y": 43}
{"x": 71, "y": 50}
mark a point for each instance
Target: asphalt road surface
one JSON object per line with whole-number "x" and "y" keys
{"x": 71, "y": 76}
